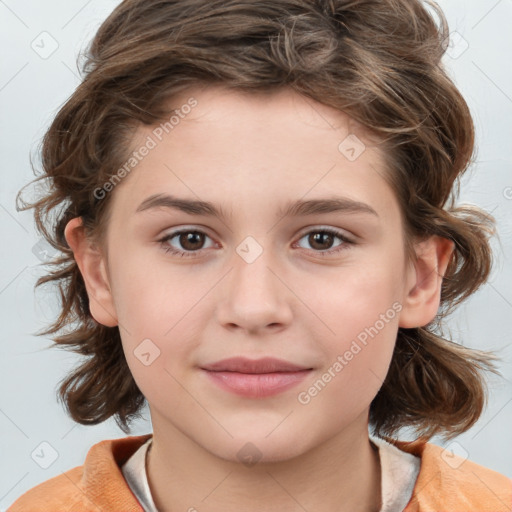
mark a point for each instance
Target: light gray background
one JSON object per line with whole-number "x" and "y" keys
{"x": 31, "y": 90}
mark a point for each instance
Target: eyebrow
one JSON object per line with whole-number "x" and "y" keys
{"x": 294, "y": 208}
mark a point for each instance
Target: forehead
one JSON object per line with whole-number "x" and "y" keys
{"x": 250, "y": 111}
{"x": 237, "y": 148}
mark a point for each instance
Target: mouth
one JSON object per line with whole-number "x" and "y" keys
{"x": 244, "y": 365}
{"x": 255, "y": 378}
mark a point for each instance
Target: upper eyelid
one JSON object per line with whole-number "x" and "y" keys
{"x": 206, "y": 230}
{"x": 320, "y": 227}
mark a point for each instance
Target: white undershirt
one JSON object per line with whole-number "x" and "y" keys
{"x": 399, "y": 471}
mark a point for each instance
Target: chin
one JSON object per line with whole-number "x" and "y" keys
{"x": 257, "y": 447}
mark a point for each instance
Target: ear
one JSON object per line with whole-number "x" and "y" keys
{"x": 93, "y": 267}
{"x": 423, "y": 282}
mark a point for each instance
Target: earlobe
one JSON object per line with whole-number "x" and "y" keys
{"x": 93, "y": 267}
{"x": 423, "y": 292}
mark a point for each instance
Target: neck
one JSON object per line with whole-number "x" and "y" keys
{"x": 341, "y": 475}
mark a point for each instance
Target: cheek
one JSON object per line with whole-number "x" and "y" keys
{"x": 357, "y": 297}
{"x": 360, "y": 309}
{"x": 152, "y": 296}
{"x": 356, "y": 366}
{"x": 157, "y": 313}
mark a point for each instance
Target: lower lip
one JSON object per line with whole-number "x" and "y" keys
{"x": 257, "y": 385}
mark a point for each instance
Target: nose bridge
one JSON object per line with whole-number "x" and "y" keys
{"x": 251, "y": 273}
{"x": 254, "y": 296}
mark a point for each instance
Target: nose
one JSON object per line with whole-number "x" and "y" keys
{"x": 254, "y": 296}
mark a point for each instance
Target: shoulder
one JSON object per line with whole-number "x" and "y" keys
{"x": 96, "y": 485}
{"x": 58, "y": 492}
{"x": 448, "y": 482}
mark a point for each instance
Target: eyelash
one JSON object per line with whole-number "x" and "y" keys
{"x": 192, "y": 254}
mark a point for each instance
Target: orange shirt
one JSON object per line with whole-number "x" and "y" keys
{"x": 99, "y": 486}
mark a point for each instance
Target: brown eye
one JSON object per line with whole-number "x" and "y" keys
{"x": 191, "y": 240}
{"x": 321, "y": 241}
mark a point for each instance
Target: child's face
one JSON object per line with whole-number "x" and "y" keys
{"x": 298, "y": 300}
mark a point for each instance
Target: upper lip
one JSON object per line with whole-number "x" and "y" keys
{"x": 245, "y": 365}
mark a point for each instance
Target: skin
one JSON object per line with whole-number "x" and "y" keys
{"x": 251, "y": 155}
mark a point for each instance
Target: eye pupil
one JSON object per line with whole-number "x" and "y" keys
{"x": 319, "y": 237}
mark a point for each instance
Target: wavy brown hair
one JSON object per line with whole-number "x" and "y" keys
{"x": 379, "y": 61}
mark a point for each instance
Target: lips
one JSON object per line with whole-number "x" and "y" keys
{"x": 244, "y": 365}
{"x": 255, "y": 378}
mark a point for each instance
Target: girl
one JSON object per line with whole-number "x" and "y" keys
{"x": 260, "y": 239}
